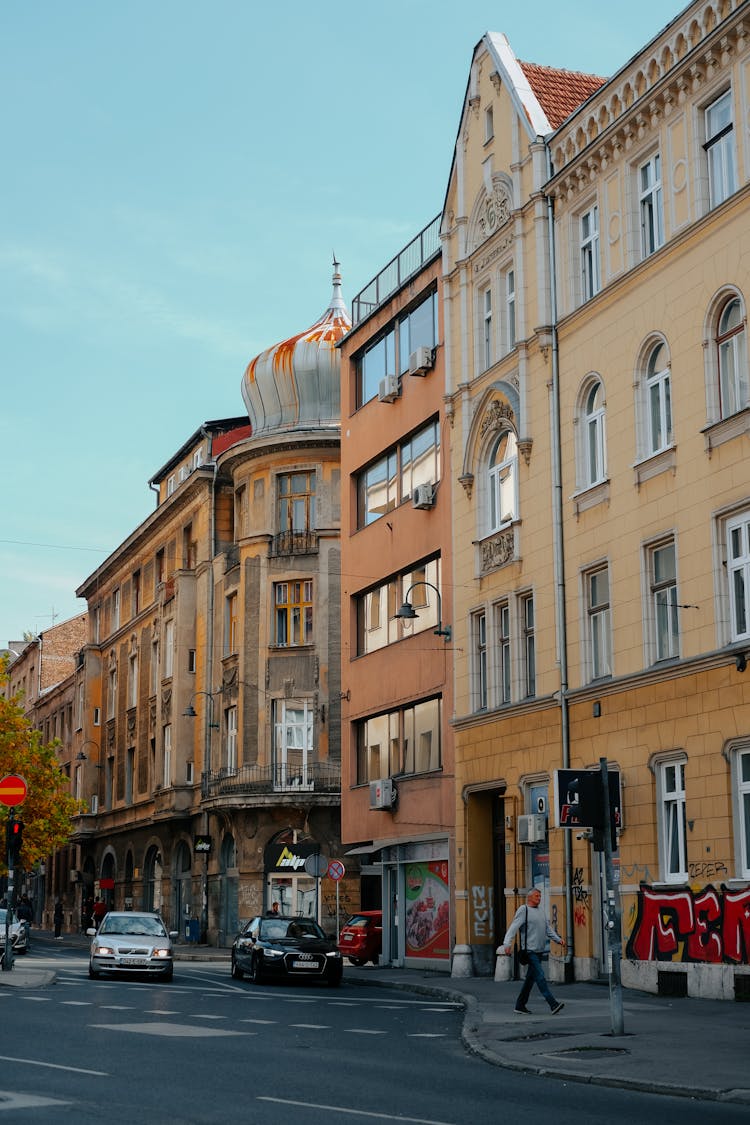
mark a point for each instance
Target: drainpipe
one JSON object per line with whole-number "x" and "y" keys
{"x": 208, "y": 687}
{"x": 559, "y": 566}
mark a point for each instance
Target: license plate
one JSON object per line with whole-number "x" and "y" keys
{"x": 348, "y": 937}
{"x": 304, "y": 965}
{"x": 134, "y": 960}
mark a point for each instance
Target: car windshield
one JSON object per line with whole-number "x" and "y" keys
{"x": 132, "y": 927}
{"x": 276, "y": 929}
{"x": 358, "y": 923}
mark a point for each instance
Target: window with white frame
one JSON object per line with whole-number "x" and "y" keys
{"x": 129, "y": 774}
{"x": 377, "y": 624}
{"x": 293, "y": 744}
{"x": 592, "y": 443}
{"x": 599, "y": 622}
{"x": 230, "y": 735}
{"x": 529, "y": 645}
{"x": 79, "y": 707}
{"x": 486, "y": 327}
{"x": 489, "y": 125}
{"x": 651, "y": 205}
{"x": 405, "y": 741}
{"x": 115, "y": 609}
{"x": 738, "y": 575}
{"x": 503, "y": 650}
{"x": 153, "y": 680}
{"x": 662, "y": 565}
{"x": 658, "y": 404}
{"x": 479, "y": 646}
{"x": 671, "y": 819}
{"x": 167, "y": 758}
{"x": 168, "y": 647}
{"x": 731, "y": 349}
{"x": 112, "y": 692}
{"x": 503, "y": 481}
{"x": 230, "y": 624}
{"x": 509, "y": 279}
{"x": 742, "y": 798}
{"x": 719, "y": 148}
{"x": 133, "y": 679}
{"x": 590, "y": 265}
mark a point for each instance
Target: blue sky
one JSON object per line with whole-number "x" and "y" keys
{"x": 176, "y": 178}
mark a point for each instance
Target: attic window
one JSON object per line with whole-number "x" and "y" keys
{"x": 489, "y": 127}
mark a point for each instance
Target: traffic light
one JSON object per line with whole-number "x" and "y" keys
{"x": 14, "y": 838}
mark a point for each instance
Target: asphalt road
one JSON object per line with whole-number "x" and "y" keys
{"x": 209, "y": 1049}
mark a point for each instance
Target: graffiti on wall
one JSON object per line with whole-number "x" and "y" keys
{"x": 482, "y": 922}
{"x": 581, "y": 898}
{"x": 706, "y": 926}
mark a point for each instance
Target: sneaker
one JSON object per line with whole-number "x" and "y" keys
{"x": 522, "y": 1011}
{"x": 558, "y": 1007}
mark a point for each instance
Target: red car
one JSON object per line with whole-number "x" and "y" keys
{"x": 361, "y": 939}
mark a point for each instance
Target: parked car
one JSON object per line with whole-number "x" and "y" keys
{"x": 283, "y": 947}
{"x": 361, "y": 938}
{"x": 131, "y": 942}
{"x": 19, "y": 933}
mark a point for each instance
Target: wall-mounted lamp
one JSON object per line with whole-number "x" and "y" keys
{"x": 81, "y": 756}
{"x": 740, "y": 661}
{"x": 408, "y": 613}
{"x": 191, "y": 713}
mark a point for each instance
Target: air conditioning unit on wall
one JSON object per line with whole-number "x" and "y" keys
{"x": 383, "y": 793}
{"x": 424, "y": 496}
{"x": 532, "y": 828}
{"x": 421, "y": 361}
{"x": 388, "y": 389}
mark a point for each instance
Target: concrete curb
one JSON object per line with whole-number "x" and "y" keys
{"x": 28, "y": 978}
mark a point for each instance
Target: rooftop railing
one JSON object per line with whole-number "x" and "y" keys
{"x": 398, "y": 271}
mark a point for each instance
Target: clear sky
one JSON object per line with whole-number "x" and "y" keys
{"x": 176, "y": 176}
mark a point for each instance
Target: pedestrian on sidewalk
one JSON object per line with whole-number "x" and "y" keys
{"x": 57, "y": 918}
{"x": 532, "y": 923}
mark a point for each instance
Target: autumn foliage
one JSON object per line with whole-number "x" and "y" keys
{"x": 48, "y": 810}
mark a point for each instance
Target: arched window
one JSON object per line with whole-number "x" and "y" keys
{"x": 503, "y": 481}
{"x": 592, "y": 449}
{"x": 731, "y": 346}
{"x": 658, "y": 404}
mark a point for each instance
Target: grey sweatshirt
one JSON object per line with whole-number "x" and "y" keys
{"x": 538, "y": 930}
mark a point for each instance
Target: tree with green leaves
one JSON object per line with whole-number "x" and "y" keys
{"x": 48, "y": 810}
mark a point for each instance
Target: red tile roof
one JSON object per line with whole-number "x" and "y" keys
{"x": 560, "y": 92}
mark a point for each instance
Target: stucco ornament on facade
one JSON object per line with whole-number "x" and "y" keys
{"x": 495, "y": 211}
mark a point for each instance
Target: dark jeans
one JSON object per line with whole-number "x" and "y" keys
{"x": 535, "y": 976}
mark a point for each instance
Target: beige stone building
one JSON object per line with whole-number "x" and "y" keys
{"x": 595, "y": 250}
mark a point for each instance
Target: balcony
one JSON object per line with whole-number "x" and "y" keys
{"x": 409, "y": 261}
{"x": 294, "y": 543}
{"x": 248, "y": 781}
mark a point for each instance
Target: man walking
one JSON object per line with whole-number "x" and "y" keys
{"x": 531, "y": 921}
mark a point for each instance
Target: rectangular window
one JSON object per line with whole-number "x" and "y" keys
{"x": 115, "y": 609}
{"x": 129, "y": 775}
{"x": 95, "y": 618}
{"x": 487, "y": 349}
{"x": 489, "y": 126}
{"x": 417, "y": 329}
{"x": 112, "y": 693}
{"x": 479, "y": 639}
{"x": 377, "y": 361}
{"x": 599, "y": 625}
{"x": 296, "y": 502}
{"x": 198, "y": 457}
{"x": 189, "y": 548}
{"x": 230, "y": 624}
{"x": 510, "y": 310}
{"x": 79, "y": 707}
{"x": 153, "y": 679}
{"x": 191, "y": 660}
{"x": 672, "y": 820}
{"x": 719, "y": 147}
{"x": 293, "y": 603}
{"x": 651, "y": 206}
{"x": 738, "y": 574}
{"x": 529, "y": 645}
{"x": 377, "y": 490}
{"x": 404, "y": 741}
{"x": 132, "y": 680}
{"x": 393, "y": 478}
{"x": 377, "y": 624}
{"x": 420, "y": 459}
{"x": 742, "y": 783}
{"x": 171, "y": 484}
{"x": 188, "y": 773}
{"x": 135, "y": 594}
{"x": 590, "y": 268}
{"x": 292, "y": 744}
{"x": 502, "y": 634}
{"x": 663, "y": 575}
{"x": 167, "y": 772}
{"x": 168, "y": 648}
{"x": 158, "y": 569}
{"x": 230, "y": 726}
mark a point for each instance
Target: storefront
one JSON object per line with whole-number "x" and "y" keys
{"x": 416, "y": 904}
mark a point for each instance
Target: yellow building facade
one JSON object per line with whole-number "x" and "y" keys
{"x": 595, "y": 287}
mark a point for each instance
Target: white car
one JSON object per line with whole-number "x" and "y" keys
{"x": 131, "y": 942}
{"x": 19, "y": 936}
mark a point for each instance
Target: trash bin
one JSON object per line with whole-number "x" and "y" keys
{"x": 192, "y": 930}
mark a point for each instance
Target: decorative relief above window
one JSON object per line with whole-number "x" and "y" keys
{"x": 495, "y": 211}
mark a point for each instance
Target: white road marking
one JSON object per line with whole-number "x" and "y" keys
{"x": 355, "y": 1112}
{"x": 424, "y": 1035}
{"x": 55, "y": 1066}
{"x": 259, "y": 1021}
{"x": 76, "y": 1003}
{"x": 169, "y": 1030}
{"x": 205, "y": 1016}
{"x": 363, "y": 1031}
{"x": 10, "y": 1100}
{"x": 312, "y": 1026}
{"x": 38, "y": 999}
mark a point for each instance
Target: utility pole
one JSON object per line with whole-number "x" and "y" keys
{"x": 612, "y": 908}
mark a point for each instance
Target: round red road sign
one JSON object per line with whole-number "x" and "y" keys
{"x": 13, "y": 790}
{"x": 336, "y": 870}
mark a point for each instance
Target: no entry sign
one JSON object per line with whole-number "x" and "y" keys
{"x": 13, "y": 790}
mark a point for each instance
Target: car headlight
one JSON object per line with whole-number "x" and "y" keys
{"x": 162, "y": 952}
{"x": 273, "y": 953}
{"x": 334, "y": 954}
{"x": 103, "y": 951}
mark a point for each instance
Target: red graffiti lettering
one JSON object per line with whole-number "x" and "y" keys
{"x": 737, "y": 926}
{"x": 704, "y": 944}
{"x": 706, "y": 926}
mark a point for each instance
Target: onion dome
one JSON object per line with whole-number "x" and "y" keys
{"x": 295, "y": 384}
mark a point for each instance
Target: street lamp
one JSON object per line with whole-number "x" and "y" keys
{"x": 82, "y": 757}
{"x": 191, "y": 713}
{"x": 408, "y": 613}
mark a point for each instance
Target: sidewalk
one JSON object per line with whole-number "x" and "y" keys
{"x": 681, "y": 1047}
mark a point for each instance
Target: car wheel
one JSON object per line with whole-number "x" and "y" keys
{"x": 93, "y": 973}
{"x": 256, "y": 976}
{"x": 375, "y": 959}
{"x": 237, "y": 972}
{"x": 334, "y": 982}
{"x": 167, "y": 976}
{"x": 358, "y": 961}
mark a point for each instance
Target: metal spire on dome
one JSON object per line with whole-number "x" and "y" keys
{"x": 337, "y": 301}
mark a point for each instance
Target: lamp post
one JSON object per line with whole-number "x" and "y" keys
{"x": 191, "y": 713}
{"x": 408, "y": 612}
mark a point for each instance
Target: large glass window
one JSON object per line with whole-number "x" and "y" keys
{"x": 742, "y": 784}
{"x": 663, "y": 566}
{"x": 734, "y": 392}
{"x": 672, "y": 820}
{"x": 420, "y": 459}
{"x": 389, "y": 354}
{"x": 404, "y": 741}
{"x": 590, "y": 267}
{"x": 738, "y": 573}
{"x": 293, "y": 744}
{"x": 377, "y": 625}
{"x": 296, "y": 501}
{"x": 293, "y": 603}
{"x": 600, "y": 633}
{"x": 503, "y": 481}
{"x": 659, "y": 399}
{"x": 593, "y": 451}
{"x": 651, "y": 206}
{"x": 230, "y": 737}
{"x": 393, "y": 478}
{"x": 719, "y": 146}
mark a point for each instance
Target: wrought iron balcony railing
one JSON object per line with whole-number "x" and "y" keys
{"x": 316, "y": 777}
{"x": 295, "y": 543}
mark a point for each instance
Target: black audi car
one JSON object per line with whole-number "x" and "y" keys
{"x": 279, "y": 947}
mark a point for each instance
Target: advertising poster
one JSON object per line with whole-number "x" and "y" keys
{"x": 427, "y": 909}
